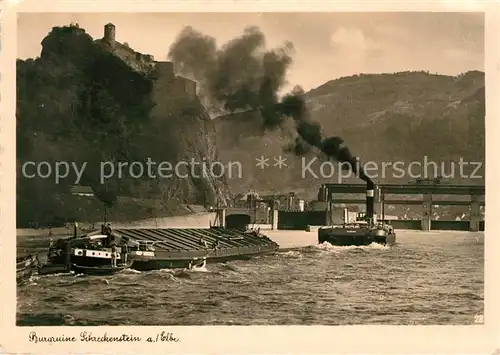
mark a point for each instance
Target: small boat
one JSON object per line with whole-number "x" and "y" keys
{"x": 158, "y": 248}
{"x": 26, "y": 266}
{"x": 101, "y": 270}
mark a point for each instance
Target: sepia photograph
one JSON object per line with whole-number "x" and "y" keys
{"x": 250, "y": 168}
{"x": 245, "y": 168}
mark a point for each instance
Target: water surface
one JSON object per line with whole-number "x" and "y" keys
{"x": 427, "y": 278}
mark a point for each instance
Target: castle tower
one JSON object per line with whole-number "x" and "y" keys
{"x": 109, "y": 33}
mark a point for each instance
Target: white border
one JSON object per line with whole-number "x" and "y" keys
{"x": 254, "y": 339}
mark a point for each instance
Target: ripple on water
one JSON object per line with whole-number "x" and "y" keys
{"x": 418, "y": 281}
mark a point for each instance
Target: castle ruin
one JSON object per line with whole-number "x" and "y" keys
{"x": 167, "y": 83}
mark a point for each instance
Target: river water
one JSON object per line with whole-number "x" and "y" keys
{"x": 427, "y": 278}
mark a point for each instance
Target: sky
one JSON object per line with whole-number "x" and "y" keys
{"x": 327, "y": 45}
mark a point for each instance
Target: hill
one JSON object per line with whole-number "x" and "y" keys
{"x": 93, "y": 102}
{"x": 382, "y": 117}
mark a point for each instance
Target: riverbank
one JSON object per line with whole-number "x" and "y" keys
{"x": 287, "y": 239}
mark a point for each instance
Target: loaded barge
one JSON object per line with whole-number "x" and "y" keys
{"x": 362, "y": 232}
{"x": 152, "y": 249}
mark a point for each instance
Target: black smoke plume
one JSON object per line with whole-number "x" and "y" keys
{"x": 336, "y": 148}
{"x": 243, "y": 75}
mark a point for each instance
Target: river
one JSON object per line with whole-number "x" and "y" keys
{"x": 426, "y": 278}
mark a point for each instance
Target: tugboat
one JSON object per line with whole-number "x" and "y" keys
{"x": 359, "y": 233}
{"x": 93, "y": 253}
{"x": 26, "y": 266}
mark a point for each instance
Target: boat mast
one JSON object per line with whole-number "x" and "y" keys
{"x": 105, "y": 205}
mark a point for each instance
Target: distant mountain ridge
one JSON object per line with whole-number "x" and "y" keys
{"x": 382, "y": 117}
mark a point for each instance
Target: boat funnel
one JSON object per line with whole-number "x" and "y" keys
{"x": 370, "y": 199}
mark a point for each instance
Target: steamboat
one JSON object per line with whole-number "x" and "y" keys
{"x": 361, "y": 232}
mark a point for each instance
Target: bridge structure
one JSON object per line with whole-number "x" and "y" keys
{"x": 475, "y": 193}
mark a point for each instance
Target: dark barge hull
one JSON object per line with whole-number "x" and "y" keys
{"x": 49, "y": 269}
{"x": 360, "y": 236}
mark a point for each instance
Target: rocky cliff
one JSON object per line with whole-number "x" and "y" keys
{"x": 94, "y": 101}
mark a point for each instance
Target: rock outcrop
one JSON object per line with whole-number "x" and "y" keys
{"x": 94, "y": 101}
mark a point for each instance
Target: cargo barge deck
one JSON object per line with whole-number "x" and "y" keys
{"x": 156, "y": 248}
